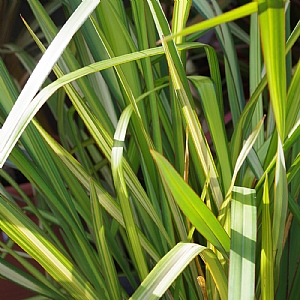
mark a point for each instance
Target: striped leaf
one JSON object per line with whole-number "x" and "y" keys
{"x": 272, "y": 27}
{"x": 266, "y": 260}
{"x": 192, "y": 206}
{"x": 243, "y": 244}
{"x": 31, "y": 238}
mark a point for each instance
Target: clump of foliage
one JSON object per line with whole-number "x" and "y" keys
{"x": 133, "y": 184}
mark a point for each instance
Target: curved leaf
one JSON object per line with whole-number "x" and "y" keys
{"x": 173, "y": 264}
{"x": 43, "y": 68}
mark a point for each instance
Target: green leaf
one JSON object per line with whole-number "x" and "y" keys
{"x": 183, "y": 94}
{"x": 266, "y": 261}
{"x": 108, "y": 267}
{"x": 272, "y": 27}
{"x": 19, "y": 122}
{"x": 166, "y": 271}
{"x": 255, "y": 71}
{"x": 280, "y": 209}
{"x": 31, "y": 238}
{"x": 244, "y": 152}
{"x": 215, "y": 121}
{"x": 173, "y": 264}
{"x": 237, "y": 139}
{"x": 192, "y": 206}
{"x": 180, "y": 16}
{"x": 119, "y": 139}
{"x": 243, "y": 244}
{"x": 105, "y": 199}
{"x": 295, "y": 209}
{"x": 214, "y": 266}
{"x": 95, "y": 93}
{"x": 232, "y": 69}
{"x": 43, "y": 68}
{"x": 138, "y": 255}
{"x": 232, "y": 15}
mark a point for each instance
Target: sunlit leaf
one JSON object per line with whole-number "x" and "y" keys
{"x": 172, "y": 265}
{"x": 192, "y": 206}
{"x": 280, "y": 208}
{"x": 25, "y": 233}
{"x": 243, "y": 244}
{"x": 266, "y": 265}
{"x": 43, "y": 68}
{"x": 272, "y": 26}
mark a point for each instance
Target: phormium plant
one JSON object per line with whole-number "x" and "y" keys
{"x": 131, "y": 180}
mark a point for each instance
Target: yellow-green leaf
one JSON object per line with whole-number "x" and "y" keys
{"x": 272, "y": 27}
{"x": 192, "y": 206}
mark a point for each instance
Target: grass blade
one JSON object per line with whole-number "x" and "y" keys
{"x": 108, "y": 267}
{"x": 244, "y": 152}
{"x": 215, "y": 268}
{"x": 255, "y": 75}
{"x": 243, "y": 244}
{"x": 184, "y": 98}
{"x": 8, "y": 133}
{"x": 232, "y": 69}
{"x": 272, "y": 27}
{"x": 127, "y": 212}
{"x": 215, "y": 121}
{"x": 30, "y": 237}
{"x": 232, "y": 15}
{"x": 30, "y": 111}
{"x": 167, "y": 270}
{"x": 280, "y": 209}
{"x": 266, "y": 261}
{"x": 192, "y": 206}
{"x": 108, "y": 203}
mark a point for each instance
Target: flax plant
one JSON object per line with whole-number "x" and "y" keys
{"x": 140, "y": 190}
